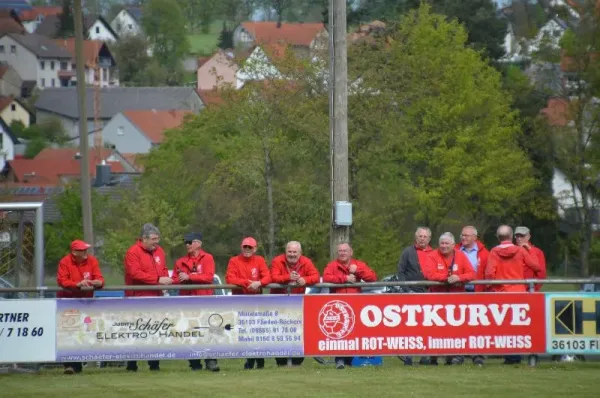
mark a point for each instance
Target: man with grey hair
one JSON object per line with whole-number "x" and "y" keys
{"x": 410, "y": 266}
{"x": 450, "y": 265}
{"x": 412, "y": 259}
{"x": 293, "y": 269}
{"x": 145, "y": 264}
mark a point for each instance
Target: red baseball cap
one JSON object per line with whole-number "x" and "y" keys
{"x": 249, "y": 242}
{"x": 79, "y": 245}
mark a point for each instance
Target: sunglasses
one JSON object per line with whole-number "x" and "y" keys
{"x": 519, "y": 236}
{"x": 247, "y": 247}
{"x": 188, "y": 242}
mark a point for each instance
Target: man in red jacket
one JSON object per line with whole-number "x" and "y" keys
{"x": 509, "y": 262}
{"x": 346, "y": 269}
{"x": 522, "y": 238}
{"x": 296, "y": 270}
{"x": 250, "y": 272}
{"x": 450, "y": 265}
{"x": 80, "y": 274}
{"x": 145, "y": 264}
{"x": 197, "y": 267}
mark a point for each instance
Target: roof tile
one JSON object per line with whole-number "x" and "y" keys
{"x": 153, "y": 123}
{"x": 297, "y": 34}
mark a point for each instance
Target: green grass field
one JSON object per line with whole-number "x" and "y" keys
{"x": 312, "y": 379}
{"x": 205, "y": 44}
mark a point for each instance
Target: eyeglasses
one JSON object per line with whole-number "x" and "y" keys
{"x": 466, "y": 235}
{"x": 188, "y": 242}
{"x": 247, "y": 247}
{"x": 519, "y": 236}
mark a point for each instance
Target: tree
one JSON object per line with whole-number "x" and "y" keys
{"x": 485, "y": 29}
{"x": 125, "y": 218}
{"x": 59, "y": 235}
{"x": 225, "y": 38}
{"x": 66, "y": 24}
{"x": 164, "y": 25}
{"x": 574, "y": 115}
{"x": 136, "y": 68}
{"x": 434, "y": 140}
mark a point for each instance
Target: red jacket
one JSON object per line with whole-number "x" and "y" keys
{"x": 482, "y": 258}
{"x": 144, "y": 268}
{"x": 70, "y": 273}
{"x": 200, "y": 269}
{"x": 280, "y": 273}
{"x": 336, "y": 272}
{"x": 438, "y": 269}
{"x": 242, "y": 271}
{"x": 508, "y": 261}
{"x": 529, "y": 273}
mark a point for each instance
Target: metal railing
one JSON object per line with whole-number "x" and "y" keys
{"x": 529, "y": 282}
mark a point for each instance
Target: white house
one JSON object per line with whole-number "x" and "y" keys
{"x": 550, "y": 34}
{"x": 101, "y": 30}
{"x": 7, "y": 144}
{"x": 138, "y": 131}
{"x": 258, "y": 66}
{"x": 100, "y": 65}
{"x": 128, "y": 21}
{"x": 303, "y": 38}
{"x": 35, "y": 57}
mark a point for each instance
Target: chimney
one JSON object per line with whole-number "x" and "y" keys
{"x": 102, "y": 175}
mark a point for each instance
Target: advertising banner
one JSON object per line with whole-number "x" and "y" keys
{"x": 179, "y": 328}
{"x": 573, "y": 323}
{"x": 424, "y": 324}
{"x": 27, "y": 331}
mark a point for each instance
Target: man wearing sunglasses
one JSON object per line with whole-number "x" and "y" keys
{"x": 249, "y": 271}
{"x": 196, "y": 268}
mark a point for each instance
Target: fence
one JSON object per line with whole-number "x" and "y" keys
{"x": 323, "y": 323}
{"x": 21, "y": 244}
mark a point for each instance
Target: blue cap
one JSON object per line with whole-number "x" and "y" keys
{"x": 192, "y": 236}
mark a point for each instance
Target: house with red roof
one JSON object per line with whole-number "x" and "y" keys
{"x": 33, "y": 17}
{"x": 303, "y": 38}
{"x": 57, "y": 166}
{"x": 138, "y": 131}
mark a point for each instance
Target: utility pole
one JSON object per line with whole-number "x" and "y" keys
{"x": 338, "y": 123}
{"x": 86, "y": 194}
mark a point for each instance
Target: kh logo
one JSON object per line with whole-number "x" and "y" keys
{"x": 577, "y": 317}
{"x": 336, "y": 319}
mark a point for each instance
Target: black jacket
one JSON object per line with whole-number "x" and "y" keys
{"x": 409, "y": 269}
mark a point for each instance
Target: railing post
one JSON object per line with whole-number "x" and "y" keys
{"x": 532, "y": 358}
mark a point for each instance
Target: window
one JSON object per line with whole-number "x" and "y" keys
{"x": 97, "y": 29}
{"x": 130, "y": 26}
{"x": 2, "y": 49}
{"x": 42, "y": 65}
{"x": 104, "y": 74}
{"x": 13, "y": 49}
{"x": 43, "y": 82}
{"x": 51, "y": 65}
{"x": 52, "y": 83}
{"x": 120, "y": 130}
{"x": 64, "y": 65}
{"x": 72, "y": 66}
{"x": 13, "y": 107}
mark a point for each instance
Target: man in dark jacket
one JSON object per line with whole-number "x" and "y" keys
{"x": 409, "y": 268}
{"x": 412, "y": 257}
